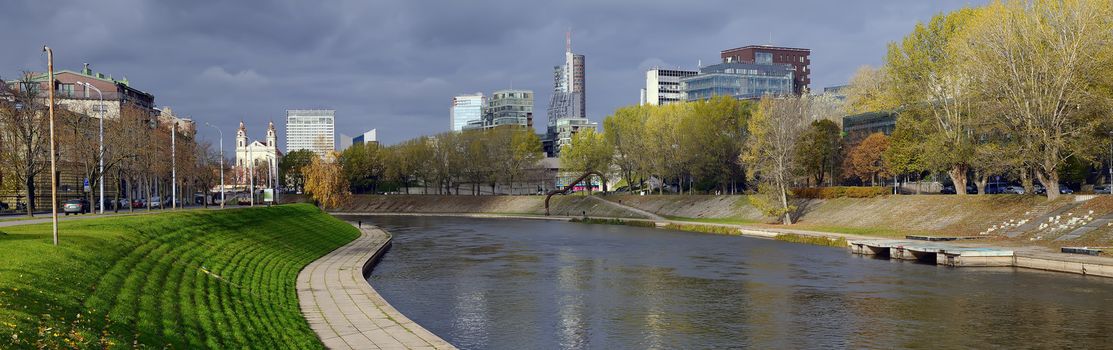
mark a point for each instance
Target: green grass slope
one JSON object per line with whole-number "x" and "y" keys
{"x": 186, "y": 280}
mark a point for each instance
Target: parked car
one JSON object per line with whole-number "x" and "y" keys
{"x": 138, "y": 203}
{"x": 1063, "y": 189}
{"x": 76, "y": 206}
{"x": 156, "y": 202}
{"x": 1102, "y": 189}
{"x": 1014, "y": 190}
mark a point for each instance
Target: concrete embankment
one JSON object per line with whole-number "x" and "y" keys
{"x": 346, "y": 312}
{"x": 568, "y": 205}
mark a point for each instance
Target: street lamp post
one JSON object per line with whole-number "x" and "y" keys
{"x": 221, "y": 163}
{"x": 1110, "y": 188}
{"x": 251, "y": 156}
{"x": 100, "y": 182}
{"x": 53, "y": 166}
{"x": 174, "y": 167}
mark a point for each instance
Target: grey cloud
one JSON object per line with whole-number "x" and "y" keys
{"x": 395, "y": 65}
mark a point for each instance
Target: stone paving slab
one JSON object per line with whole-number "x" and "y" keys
{"x": 346, "y": 312}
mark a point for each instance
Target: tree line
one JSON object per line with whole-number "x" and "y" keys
{"x": 496, "y": 160}
{"x": 1016, "y": 89}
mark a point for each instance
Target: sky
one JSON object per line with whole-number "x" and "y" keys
{"x": 395, "y": 66}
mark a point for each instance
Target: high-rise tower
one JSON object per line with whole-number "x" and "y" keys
{"x": 568, "y": 105}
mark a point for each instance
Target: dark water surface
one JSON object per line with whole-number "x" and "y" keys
{"x": 525, "y": 284}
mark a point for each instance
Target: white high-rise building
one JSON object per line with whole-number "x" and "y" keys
{"x": 466, "y": 109}
{"x": 662, "y": 86}
{"x": 311, "y": 129}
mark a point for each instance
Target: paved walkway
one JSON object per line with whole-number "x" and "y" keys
{"x": 346, "y": 312}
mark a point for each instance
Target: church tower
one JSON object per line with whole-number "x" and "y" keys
{"x": 241, "y": 136}
{"x": 272, "y": 140}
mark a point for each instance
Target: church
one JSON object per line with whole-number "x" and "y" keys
{"x": 257, "y": 159}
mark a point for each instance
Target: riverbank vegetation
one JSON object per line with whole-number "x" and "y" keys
{"x": 614, "y": 221}
{"x": 186, "y": 280}
{"x": 838, "y": 242}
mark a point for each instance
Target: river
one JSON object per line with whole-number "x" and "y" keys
{"x": 532, "y": 284}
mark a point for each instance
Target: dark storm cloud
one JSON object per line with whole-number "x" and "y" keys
{"x": 395, "y": 65}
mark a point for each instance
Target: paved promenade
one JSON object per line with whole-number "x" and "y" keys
{"x": 346, "y": 312}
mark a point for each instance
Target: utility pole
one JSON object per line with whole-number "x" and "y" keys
{"x": 53, "y": 166}
{"x": 251, "y": 156}
{"x": 174, "y": 167}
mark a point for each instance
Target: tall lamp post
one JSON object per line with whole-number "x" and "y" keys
{"x": 53, "y": 167}
{"x": 174, "y": 167}
{"x": 100, "y": 182}
{"x": 221, "y": 162}
{"x": 1110, "y": 188}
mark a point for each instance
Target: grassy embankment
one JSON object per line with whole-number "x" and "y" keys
{"x": 187, "y": 280}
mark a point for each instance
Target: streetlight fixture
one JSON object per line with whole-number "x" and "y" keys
{"x": 53, "y": 166}
{"x": 221, "y": 162}
{"x": 100, "y": 182}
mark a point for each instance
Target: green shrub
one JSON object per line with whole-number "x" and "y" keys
{"x": 720, "y": 230}
{"x": 814, "y": 240}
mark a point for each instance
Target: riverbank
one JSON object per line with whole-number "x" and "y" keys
{"x": 346, "y": 312}
{"x": 1029, "y": 257}
{"x": 1010, "y": 220}
{"x": 186, "y": 279}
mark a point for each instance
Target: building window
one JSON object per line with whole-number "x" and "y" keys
{"x": 763, "y": 58}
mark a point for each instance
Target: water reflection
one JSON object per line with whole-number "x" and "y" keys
{"x": 515, "y": 284}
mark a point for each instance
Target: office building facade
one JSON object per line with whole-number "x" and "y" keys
{"x": 738, "y": 80}
{"x": 510, "y": 107}
{"x": 662, "y": 86}
{"x": 466, "y": 109}
{"x": 371, "y": 136}
{"x": 798, "y": 58}
{"x": 311, "y": 129}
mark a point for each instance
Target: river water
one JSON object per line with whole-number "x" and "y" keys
{"x": 531, "y": 284}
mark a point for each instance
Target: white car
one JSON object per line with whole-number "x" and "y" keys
{"x": 1013, "y": 190}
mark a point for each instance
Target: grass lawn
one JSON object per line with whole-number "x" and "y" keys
{"x": 186, "y": 280}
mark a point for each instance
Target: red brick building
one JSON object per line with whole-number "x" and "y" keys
{"x": 763, "y": 54}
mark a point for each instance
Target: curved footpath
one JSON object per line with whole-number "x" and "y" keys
{"x": 346, "y": 312}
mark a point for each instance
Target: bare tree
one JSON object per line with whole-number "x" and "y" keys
{"x": 24, "y": 135}
{"x": 774, "y": 130}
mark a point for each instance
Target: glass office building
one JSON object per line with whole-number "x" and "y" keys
{"x": 511, "y": 107}
{"x": 739, "y": 80}
{"x": 466, "y": 109}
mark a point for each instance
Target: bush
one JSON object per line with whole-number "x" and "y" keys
{"x": 815, "y": 240}
{"x": 721, "y": 230}
{"x": 840, "y": 192}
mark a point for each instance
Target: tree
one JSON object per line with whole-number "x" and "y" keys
{"x": 712, "y": 132}
{"x": 924, "y": 73}
{"x": 291, "y": 166}
{"x": 589, "y": 151}
{"x": 866, "y": 161}
{"x": 818, "y": 153}
{"x": 625, "y": 130}
{"x": 363, "y": 166}
{"x": 771, "y": 149}
{"x": 24, "y": 136}
{"x": 869, "y": 91}
{"x": 325, "y": 182}
{"x": 904, "y": 155}
{"x": 1043, "y": 67}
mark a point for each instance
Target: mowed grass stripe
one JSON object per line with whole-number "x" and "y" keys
{"x": 190, "y": 279}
